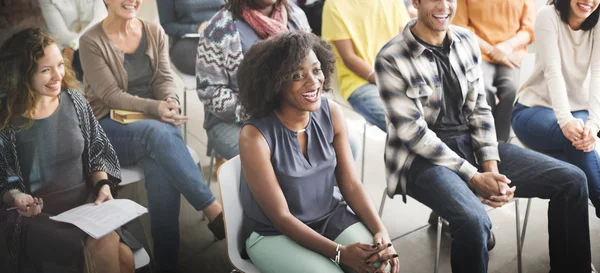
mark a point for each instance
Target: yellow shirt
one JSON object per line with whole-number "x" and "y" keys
{"x": 369, "y": 24}
{"x": 496, "y": 21}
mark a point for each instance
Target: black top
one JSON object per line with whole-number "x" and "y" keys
{"x": 451, "y": 121}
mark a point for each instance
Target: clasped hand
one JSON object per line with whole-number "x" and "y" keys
{"x": 580, "y": 135}
{"x": 493, "y": 188}
{"x": 169, "y": 113}
{"x": 372, "y": 258}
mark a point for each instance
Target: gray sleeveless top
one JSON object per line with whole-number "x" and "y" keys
{"x": 307, "y": 184}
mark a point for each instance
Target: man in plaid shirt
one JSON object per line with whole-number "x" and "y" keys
{"x": 442, "y": 147}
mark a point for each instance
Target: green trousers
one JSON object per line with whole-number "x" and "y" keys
{"x": 275, "y": 254}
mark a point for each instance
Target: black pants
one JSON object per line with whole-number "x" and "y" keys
{"x": 314, "y": 14}
{"x": 500, "y": 81}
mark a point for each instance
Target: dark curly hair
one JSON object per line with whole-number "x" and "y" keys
{"x": 563, "y": 8}
{"x": 268, "y": 66}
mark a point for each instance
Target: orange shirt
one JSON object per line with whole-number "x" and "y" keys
{"x": 496, "y": 21}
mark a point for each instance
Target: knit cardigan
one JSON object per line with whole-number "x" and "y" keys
{"x": 219, "y": 56}
{"x": 98, "y": 155}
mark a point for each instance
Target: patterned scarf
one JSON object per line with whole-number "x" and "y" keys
{"x": 265, "y": 26}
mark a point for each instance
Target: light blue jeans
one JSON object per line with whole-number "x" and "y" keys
{"x": 366, "y": 101}
{"x": 224, "y": 137}
{"x": 169, "y": 171}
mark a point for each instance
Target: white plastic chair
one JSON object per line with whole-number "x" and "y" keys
{"x": 141, "y": 258}
{"x": 229, "y": 183}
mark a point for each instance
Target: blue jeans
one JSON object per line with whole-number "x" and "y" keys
{"x": 366, "y": 101}
{"x": 534, "y": 175}
{"x": 537, "y": 128}
{"x": 224, "y": 137}
{"x": 169, "y": 171}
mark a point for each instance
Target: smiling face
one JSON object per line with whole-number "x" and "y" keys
{"x": 582, "y": 9}
{"x": 304, "y": 91}
{"x": 436, "y": 15}
{"x": 124, "y": 9}
{"x": 49, "y": 73}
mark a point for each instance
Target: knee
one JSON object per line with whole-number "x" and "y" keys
{"x": 473, "y": 227}
{"x": 126, "y": 259}
{"x": 160, "y": 132}
{"x": 580, "y": 181}
{"x": 110, "y": 242}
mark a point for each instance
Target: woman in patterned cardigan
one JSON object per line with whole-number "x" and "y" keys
{"x": 39, "y": 114}
{"x": 228, "y": 35}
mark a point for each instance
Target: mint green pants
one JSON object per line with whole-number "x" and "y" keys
{"x": 282, "y": 254}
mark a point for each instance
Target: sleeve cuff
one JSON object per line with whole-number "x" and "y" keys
{"x": 74, "y": 44}
{"x": 467, "y": 171}
{"x": 488, "y": 153}
{"x": 152, "y": 108}
{"x": 595, "y": 127}
{"x": 563, "y": 121}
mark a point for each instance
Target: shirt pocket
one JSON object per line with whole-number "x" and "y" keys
{"x": 473, "y": 76}
{"x": 420, "y": 94}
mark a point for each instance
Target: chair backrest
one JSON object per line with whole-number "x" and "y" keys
{"x": 527, "y": 66}
{"x": 229, "y": 183}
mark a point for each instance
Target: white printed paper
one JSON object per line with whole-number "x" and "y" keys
{"x": 99, "y": 220}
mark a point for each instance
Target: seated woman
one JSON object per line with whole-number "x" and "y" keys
{"x": 223, "y": 43}
{"x": 558, "y": 107}
{"x": 39, "y": 110}
{"x": 293, "y": 151}
{"x": 181, "y": 17}
{"x": 126, "y": 65}
{"x": 67, "y": 21}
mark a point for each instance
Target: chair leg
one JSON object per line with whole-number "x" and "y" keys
{"x": 383, "y": 198}
{"x": 210, "y": 166}
{"x": 185, "y": 114}
{"x": 438, "y": 245}
{"x": 525, "y": 223}
{"x": 364, "y": 143}
{"x": 519, "y": 246}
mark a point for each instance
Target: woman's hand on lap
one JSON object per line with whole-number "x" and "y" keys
{"x": 386, "y": 253}
{"x": 573, "y": 130}
{"x": 356, "y": 256}
{"x": 103, "y": 195}
{"x": 587, "y": 143}
{"x": 22, "y": 200}
{"x": 169, "y": 113}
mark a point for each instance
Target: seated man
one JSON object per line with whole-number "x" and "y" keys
{"x": 504, "y": 28}
{"x": 442, "y": 147}
{"x": 358, "y": 29}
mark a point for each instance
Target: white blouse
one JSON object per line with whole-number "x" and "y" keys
{"x": 67, "y": 20}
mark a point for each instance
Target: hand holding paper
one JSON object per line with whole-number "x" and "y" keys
{"x": 99, "y": 220}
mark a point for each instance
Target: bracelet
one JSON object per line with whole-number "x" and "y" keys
{"x": 99, "y": 184}
{"x": 370, "y": 74}
{"x": 338, "y": 255}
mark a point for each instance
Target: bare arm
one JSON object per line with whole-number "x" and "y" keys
{"x": 357, "y": 65}
{"x": 350, "y": 185}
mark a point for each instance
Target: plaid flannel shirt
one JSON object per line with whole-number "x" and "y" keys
{"x": 410, "y": 87}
